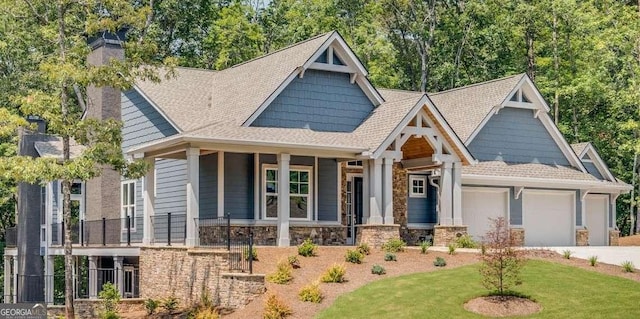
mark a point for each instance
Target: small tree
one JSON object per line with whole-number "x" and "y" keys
{"x": 501, "y": 264}
{"x": 110, "y": 297}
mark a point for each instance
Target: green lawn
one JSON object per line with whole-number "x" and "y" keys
{"x": 563, "y": 292}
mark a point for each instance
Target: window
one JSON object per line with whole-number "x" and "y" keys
{"x": 354, "y": 164}
{"x": 129, "y": 203}
{"x": 417, "y": 186}
{"x": 299, "y": 193}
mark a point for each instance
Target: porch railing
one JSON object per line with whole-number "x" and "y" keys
{"x": 103, "y": 232}
{"x": 218, "y": 233}
{"x": 11, "y": 236}
{"x": 169, "y": 228}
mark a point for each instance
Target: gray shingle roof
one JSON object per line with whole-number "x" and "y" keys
{"x": 579, "y": 147}
{"x": 529, "y": 170}
{"x": 53, "y": 148}
{"x": 465, "y": 107}
{"x": 195, "y": 98}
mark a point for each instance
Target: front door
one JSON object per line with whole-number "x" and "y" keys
{"x": 354, "y": 207}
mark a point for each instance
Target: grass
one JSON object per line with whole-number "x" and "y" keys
{"x": 563, "y": 292}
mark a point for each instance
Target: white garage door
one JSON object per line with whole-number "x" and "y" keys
{"x": 548, "y": 218}
{"x": 597, "y": 210}
{"x": 480, "y": 204}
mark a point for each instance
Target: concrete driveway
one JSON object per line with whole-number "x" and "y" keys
{"x": 606, "y": 254}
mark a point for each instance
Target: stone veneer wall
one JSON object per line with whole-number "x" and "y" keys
{"x": 91, "y": 308}
{"x": 267, "y": 235}
{"x": 187, "y": 273}
{"x": 447, "y": 234}
{"x": 582, "y": 237}
{"x": 376, "y": 235}
{"x": 517, "y": 236}
{"x": 614, "y": 236}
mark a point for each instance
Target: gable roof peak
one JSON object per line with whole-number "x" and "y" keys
{"x": 519, "y": 76}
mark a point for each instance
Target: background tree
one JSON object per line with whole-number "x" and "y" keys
{"x": 54, "y": 90}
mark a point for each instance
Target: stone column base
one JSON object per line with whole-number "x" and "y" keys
{"x": 376, "y": 235}
{"x": 517, "y": 236}
{"x": 582, "y": 237}
{"x": 443, "y": 235}
{"x": 614, "y": 235}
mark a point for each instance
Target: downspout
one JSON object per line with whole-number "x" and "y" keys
{"x": 432, "y": 178}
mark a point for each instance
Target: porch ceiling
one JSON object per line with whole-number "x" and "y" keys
{"x": 416, "y": 147}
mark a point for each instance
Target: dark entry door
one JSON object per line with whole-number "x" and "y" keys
{"x": 357, "y": 203}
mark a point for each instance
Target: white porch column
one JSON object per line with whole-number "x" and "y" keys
{"x": 446, "y": 186}
{"x": 49, "y": 273}
{"x": 388, "y": 191}
{"x": 365, "y": 191}
{"x": 7, "y": 278}
{"x": 15, "y": 279}
{"x": 283, "y": 200}
{"x": 193, "y": 190}
{"x": 457, "y": 193}
{"x": 149, "y": 196}
{"x": 375, "y": 191}
{"x": 119, "y": 273}
{"x": 93, "y": 277}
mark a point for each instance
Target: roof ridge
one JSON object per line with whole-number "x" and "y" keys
{"x": 279, "y": 50}
{"x": 401, "y": 90}
{"x": 476, "y": 84}
{"x": 196, "y": 69}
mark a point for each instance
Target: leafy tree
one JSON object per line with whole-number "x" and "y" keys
{"x": 501, "y": 263}
{"x": 55, "y": 34}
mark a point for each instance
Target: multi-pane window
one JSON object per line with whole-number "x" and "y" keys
{"x": 354, "y": 164}
{"x": 417, "y": 186}
{"x": 129, "y": 203}
{"x": 299, "y": 193}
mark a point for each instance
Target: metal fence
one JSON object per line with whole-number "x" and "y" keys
{"x": 218, "y": 233}
{"x": 169, "y": 228}
{"x": 101, "y": 232}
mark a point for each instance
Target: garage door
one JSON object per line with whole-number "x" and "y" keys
{"x": 478, "y": 205}
{"x": 597, "y": 210}
{"x": 548, "y": 218}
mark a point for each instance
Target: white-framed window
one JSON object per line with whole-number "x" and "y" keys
{"x": 128, "y": 203}
{"x": 300, "y": 192}
{"x": 354, "y": 164}
{"x": 417, "y": 186}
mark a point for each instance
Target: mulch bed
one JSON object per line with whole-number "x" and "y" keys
{"x": 502, "y": 306}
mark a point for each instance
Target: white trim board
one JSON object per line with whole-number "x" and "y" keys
{"x": 595, "y": 158}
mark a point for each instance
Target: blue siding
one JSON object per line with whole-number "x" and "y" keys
{"x": 327, "y": 189}
{"x": 141, "y": 122}
{"x": 515, "y": 208}
{"x": 515, "y": 136}
{"x": 592, "y": 169}
{"x": 422, "y": 210}
{"x": 238, "y": 185}
{"x": 208, "y": 186}
{"x": 171, "y": 187}
{"x": 321, "y": 101}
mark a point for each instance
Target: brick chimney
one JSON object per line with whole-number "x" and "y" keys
{"x": 103, "y": 193}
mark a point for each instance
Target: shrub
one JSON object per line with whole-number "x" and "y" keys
{"x": 282, "y": 274}
{"x": 465, "y": 241}
{"x": 151, "y": 305}
{"x": 593, "y": 260}
{"x": 394, "y": 245}
{"x": 627, "y": 266}
{"x": 274, "y": 308}
{"x": 566, "y": 254}
{"x": 452, "y": 249}
{"x": 335, "y": 274}
{"x": 439, "y": 262}
{"x": 364, "y": 249}
{"x": 390, "y": 257}
{"x": 311, "y": 293}
{"x": 378, "y": 270}
{"x": 293, "y": 261}
{"x": 424, "y": 246}
{"x": 110, "y": 297}
{"x": 353, "y": 256}
{"x": 254, "y": 253}
{"x": 307, "y": 248}
{"x": 483, "y": 249}
{"x": 170, "y": 304}
{"x": 205, "y": 313}
{"x": 501, "y": 265}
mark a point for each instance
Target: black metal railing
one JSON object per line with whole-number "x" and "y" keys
{"x": 218, "y": 233}
{"x": 11, "y": 236}
{"x": 169, "y": 228}
{"x": 103, "y": 232}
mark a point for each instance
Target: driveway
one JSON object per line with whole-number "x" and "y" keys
{"x": 606, "y": 254}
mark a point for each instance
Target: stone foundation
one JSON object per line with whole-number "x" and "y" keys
{"x": 268, "y": 235}
{"x": 188, "y": 273}
{"x": 582, "y": 237}
{"x": 414, "y": 236}
{"x": 91, "y": 308}
{"x": 614, "y": 236}
{"x": 445, "y": 235}
{"x": 376, "y": 235}
{"x": 517, "y": 236}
